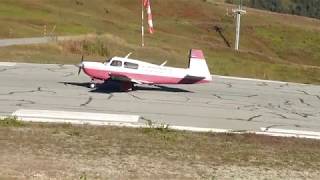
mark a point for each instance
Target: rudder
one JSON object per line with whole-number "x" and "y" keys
{"x": 198, "y": 65}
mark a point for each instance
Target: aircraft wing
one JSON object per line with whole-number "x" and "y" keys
{"x": 141, "y": 82}
{"x": 121, "y": 77}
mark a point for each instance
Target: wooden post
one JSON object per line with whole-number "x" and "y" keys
{"x": 45, "y": 30}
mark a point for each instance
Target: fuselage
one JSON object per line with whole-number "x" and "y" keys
{"x": 125, "y": 69}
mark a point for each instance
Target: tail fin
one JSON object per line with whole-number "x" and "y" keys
{"x": 198, "y": 65}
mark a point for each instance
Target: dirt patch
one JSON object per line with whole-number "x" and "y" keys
{"x": 70, "y": 152}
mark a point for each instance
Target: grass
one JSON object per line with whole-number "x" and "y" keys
{"x": 10, "y": 122}
{"x": 104, "y": 152}
{"x": 273, "y": 46}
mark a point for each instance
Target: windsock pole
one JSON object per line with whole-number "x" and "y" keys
{"x": 142, "y": 25}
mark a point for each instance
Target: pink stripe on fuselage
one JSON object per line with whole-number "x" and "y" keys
{"x": 154, "y": 79}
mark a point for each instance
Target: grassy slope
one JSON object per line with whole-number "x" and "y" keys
{"x": 273, "y": 46}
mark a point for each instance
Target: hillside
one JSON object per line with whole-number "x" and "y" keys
{"x": 273, "y": 46}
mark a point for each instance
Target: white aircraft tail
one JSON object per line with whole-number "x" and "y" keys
{"x": 198, "y": 65}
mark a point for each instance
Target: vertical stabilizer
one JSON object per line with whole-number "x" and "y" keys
{"x": 198, "y": 65}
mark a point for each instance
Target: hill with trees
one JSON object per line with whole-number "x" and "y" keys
{"x": 309, "y": 8}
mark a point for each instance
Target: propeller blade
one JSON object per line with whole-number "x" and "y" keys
{"x": 80, "y": 65}
{"x": 79, "y": 70}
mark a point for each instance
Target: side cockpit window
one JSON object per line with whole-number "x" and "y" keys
{"x": 131, "y": 65}
{"x": 116, "y": 63}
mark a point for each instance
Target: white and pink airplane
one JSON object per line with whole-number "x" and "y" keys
{"x": 130, "y": 71}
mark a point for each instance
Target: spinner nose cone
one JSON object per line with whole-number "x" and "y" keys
{"x": 80, "y": 66}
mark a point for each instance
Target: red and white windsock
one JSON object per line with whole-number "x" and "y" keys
{"x": 146, "y": 4}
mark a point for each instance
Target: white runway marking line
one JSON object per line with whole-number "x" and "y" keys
{"x": 292, "y": 133}
{"x": 270, "y": 132}
{"x": 132, "y": 121}
{"x": 73, "y": 117}
{"x": 10, "y": 64}
{"x": 250, "y": 79}
{"x": 198, "y": 129}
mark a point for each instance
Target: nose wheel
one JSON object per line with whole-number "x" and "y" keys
{"x": 93, "y": 85}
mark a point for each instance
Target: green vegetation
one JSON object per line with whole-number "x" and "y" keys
{"x": 309, "y": 8}
{"x": 273, "y": 46}
{"x": 11, "y": 122}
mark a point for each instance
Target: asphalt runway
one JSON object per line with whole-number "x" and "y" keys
{"x": 227, "y": 103}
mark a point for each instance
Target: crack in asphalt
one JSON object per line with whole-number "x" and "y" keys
{"x": 250, "y": 107}
{"x": 2, "y": 70}
{"x": 288, "y": 103}
{"x": 229, "y": 85}
{"x": 262, "y": 84}
{"x": 254, "y": 95}
{"x": 217, "y": 96}
{"x": 39, "y": 89}
{"x": 68, "y": 74}
{"x": 306, "y": 93}
{"x": 25, "y": 102}
{"x": 279, "y": 125}
{"x": 280, "y": 115}
{"x": 208, "y": 102}
{"x": 241, "y": 119}
{"x": 304, "y": 115}
{"x": 110, "y": 96}
{"x": 285, "y": 109}
{"x": 286, "y": 84}
{"x": 6, "y": 69}
{"x": 60, "y": 67}
{"x": 303, "y": 102}
{"x": 271, "y": 106}
{"x": 254, "y": 117}
{"x": 135, "y": 96}
{"x": 87, "y": 102}
{"x": 187, "y": 99}
{"x": 21, "y": 102}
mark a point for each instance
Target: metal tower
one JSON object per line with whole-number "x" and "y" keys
{"x": 238, "y": 12}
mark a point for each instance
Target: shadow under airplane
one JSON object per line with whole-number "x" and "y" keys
{"x": 113, "y": 86}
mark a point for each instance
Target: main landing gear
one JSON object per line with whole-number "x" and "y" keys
{"x": 126, "y": 86}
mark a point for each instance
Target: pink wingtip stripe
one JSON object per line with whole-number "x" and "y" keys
{"x": 195, "y": 53}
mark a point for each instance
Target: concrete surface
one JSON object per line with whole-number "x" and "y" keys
{"x": 25, "y": 41}
{"x": 226, "y": 103}
{"x": 40, "y": 40}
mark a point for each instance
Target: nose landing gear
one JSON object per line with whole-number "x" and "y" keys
{"x": 92, "y": 84}
{"x": 126, "y": 86}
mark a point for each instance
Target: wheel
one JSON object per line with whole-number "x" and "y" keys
{"x": 92, "y": 85}
{"x": 126, "y": 86}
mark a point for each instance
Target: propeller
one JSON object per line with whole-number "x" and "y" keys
{"x": 80, "y": 65}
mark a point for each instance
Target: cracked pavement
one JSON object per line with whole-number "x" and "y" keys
{"x": 225, "y": 103}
